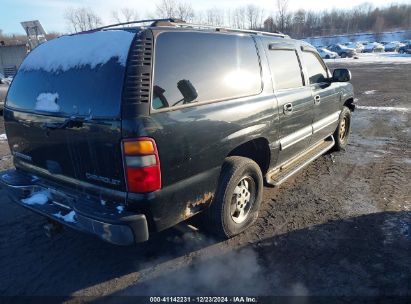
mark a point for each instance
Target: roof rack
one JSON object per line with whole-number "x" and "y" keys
{"x": 228, "y": 29}
{"x": 154, "y": 22}
{"x": 182, "y": 23}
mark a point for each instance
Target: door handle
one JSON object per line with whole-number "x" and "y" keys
{"x": 288, "y": 108}
{"x": 317, "y": 99}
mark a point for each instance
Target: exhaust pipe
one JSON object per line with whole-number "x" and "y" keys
{"x": 52, "y": 228}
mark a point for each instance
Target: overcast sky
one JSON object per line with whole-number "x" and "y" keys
{"x": 50, "y": 12}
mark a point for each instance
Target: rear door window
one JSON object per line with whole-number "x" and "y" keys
{"x": 193, "y": 67}
{"x": 285, "y": 68}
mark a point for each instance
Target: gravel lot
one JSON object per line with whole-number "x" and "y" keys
{"x": 340, "y": 227}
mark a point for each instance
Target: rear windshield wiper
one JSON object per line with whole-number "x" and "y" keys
{"x": 69, "y": 123}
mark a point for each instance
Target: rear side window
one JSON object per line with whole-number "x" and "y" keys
{"x": 316, "y": 71}
{"x": 285, "y": 68}
{"x": 200, "y": 67}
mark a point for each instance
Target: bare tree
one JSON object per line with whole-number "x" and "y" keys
{"x": 378, "y": 28}
{"x": 166, "y": 9}
{"x": 185, "y": 11}
{"x": 82, "y": 19}
{"x": 215, "y": 16}
{"x": 298, "y": 21}
{"x": 239, "y": 18}
{"x": 254, "y": 16}
{"x": 124, "y": 15}
{"x": 175, "y": 9}
{"x": 269, "y": 25}
{"x": 282, "y": 14}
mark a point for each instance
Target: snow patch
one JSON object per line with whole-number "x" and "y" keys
{"x": 120, "y": 209}
{"x": 69, "y": 217}
{"x": 38, "y": 198}
{"x": 103, "y": 202}
{"x": 47, "y": 102}
{"x": 3, "y": 137}
{"x": 76, "y": 51}
{"x": 371, "y": 92}
{"x": 375, "y": 58}
{"x": 383, "y": 108}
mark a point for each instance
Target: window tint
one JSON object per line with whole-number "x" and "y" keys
{"x": 285, "y": 69}
{"x": 81, "y": 91}
{"x": 198, "y": 67}
{"x": 316, "y": 71}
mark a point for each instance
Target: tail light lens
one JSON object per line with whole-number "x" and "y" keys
{"x": 142, "y": 165}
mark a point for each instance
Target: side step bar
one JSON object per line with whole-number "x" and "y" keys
{"x": 280, "y": 174}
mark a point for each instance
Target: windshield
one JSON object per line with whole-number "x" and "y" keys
{"x": 73, "y": 75}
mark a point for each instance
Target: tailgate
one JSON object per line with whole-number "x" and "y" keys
{"x": 63, "y": 109}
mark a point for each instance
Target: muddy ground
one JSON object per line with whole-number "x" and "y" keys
{"x": 340, "y": 227}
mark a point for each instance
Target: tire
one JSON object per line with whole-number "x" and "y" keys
{"x": 327, "y": 56}
{"x": 401, "y": 52}
{"x": 342, "y": 132}
{"x": 343, "y": 55}
{"x": 223, "y": 218}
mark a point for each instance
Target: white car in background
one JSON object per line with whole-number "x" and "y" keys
{"x": 326, "y": 54}
{"x": 359, "y": 47}
{"x": 374, "y": 47}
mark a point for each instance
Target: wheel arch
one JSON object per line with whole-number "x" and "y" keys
{"x": 257, "y": 149}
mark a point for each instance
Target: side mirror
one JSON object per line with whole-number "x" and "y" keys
{"x": 341, "y": 75}
{"x": 188, "y": 91}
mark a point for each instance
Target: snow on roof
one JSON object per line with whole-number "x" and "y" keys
{"x": 37, "y": 198}
{"x": 69, "y": 217}
{"x": 47, "y": 102}
{"x": 76, "y": 51}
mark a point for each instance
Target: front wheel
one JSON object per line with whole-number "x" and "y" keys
{"x": 342, "y": 132}
{"x": 238, "y": 198}
{"x": 343, "y": 55}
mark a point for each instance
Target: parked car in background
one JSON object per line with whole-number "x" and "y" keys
{"x": 373, "y": 47}
{"x": 326, "y": 54}
{"x": 393, "y": 46}
{"x": 148, "y": 138}
{"x": 359, "y": 47}
{"x": 4, "y": 86}
{"x": 405, "y": 49}
{"x": 342, "y": 50}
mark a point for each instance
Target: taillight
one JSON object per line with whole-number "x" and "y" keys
{"x": 142, "y": 165}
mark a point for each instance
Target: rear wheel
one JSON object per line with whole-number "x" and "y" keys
{"x": 343, "y": 55}
{"x": 327, "y": 56}
{"x": 342, "y": 132}
{"x": 238, "y": 198}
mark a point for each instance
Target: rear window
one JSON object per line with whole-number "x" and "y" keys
{"x": 74, "y": 75}
{"x": 200, "y": 67}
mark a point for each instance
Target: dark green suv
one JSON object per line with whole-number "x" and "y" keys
{"x": 125, "y": 131}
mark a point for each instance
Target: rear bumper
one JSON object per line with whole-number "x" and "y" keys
{"x": 114, "y": 226}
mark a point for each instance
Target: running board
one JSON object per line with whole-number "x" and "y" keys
{"x": 280, "y": 174}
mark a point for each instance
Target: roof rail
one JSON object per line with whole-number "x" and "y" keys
{"x": 154, "y": 22}
{"x": 228, "y": 29}
{"x": 182, "y": 23}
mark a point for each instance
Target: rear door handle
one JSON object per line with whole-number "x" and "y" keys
{"x": 317, "y": 99}
{"x": 288, "y": 108}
